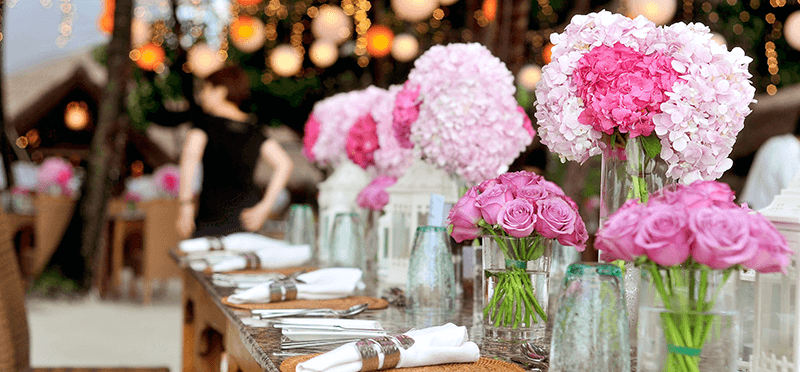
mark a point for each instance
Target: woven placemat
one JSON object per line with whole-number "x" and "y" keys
{"x": 285, "y": 271}
{"x": 482, "y": 365}
{"x": 337, "y": 304}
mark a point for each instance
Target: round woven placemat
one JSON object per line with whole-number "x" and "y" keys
{"x": 482, "y": 365}
{"x": 285, "y": 271}
{"x": 337, "y": 304}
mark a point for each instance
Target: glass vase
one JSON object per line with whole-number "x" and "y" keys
{"x": 431, "y": 284}
{"x": 516, "y": 276}
{"x": 591, "y": 321}
{"x": 688, "y": 319}
{"x": 371, "y": 246}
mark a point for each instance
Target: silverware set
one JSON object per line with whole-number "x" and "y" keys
{"x": 282, "y": 313}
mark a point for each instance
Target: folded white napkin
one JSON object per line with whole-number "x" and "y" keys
{"x": 436, "y": 345}
{"x": 323, "y": 284}
{"x": 270, "y": 258}
{"x": 239, "y": 242}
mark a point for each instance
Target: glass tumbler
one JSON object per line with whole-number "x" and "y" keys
{"x": 345, "y": 246}
{"x": 431, "y": 284}
{"x": 301, "y": 227}
{"x": 590, "y": 329}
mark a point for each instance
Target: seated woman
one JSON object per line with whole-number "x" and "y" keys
{"x": 228, "y": 142}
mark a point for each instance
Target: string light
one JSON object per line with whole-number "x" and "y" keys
{"x": 65, "y": 28}
{"x": 769, "y": 49}
{"x": 362, "y": 26}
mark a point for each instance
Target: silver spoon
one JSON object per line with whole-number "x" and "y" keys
{"x": 315, "y": 312}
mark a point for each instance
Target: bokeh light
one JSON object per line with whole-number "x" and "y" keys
{"x": 285, "y": 60}
{"x": 405, "y": 47}
{"x": 379, "y": 41}
{"x": 323, "y": 53}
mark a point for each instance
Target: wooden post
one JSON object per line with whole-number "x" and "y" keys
{"x": 5, "y": 142}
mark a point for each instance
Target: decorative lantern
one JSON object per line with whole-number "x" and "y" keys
{"x": 414, "y": 10}
{"x": 331, "y": 23}
{"x": 247, "y": 33}
{"x": 528, "y": 76}
{"x": 379, "y": 41}
{"x": 791, "y": 28}
{"x": 405, "y": 47}
{"x": 408, "y": 208}
{"x": 323, "y": 53}
{"x": 658, "y": 11}
{"x": 338, "y": 194}
{"x": 777, "y": 316}
{"x": 148, "y": 56}
{"x": 285, "y": 60}
{"x": 204, "y": 60}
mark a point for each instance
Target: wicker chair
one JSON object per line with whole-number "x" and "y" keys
{"x": 14, "y": 342}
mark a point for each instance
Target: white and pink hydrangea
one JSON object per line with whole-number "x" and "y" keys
{"x": 468, "y": 123}
{"x": 391, "y": 159}
{"x": 695, "y": 104}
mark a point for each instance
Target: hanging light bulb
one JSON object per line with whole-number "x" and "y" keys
{"x": 489, "y": 9}
{"x": 447, "y": 2}
{"x": 140, "y": 32}
{"x": 658, "y": 11}
{"x": 379, "y": 41}
{"x": 323, "y": 53}
{"x": 247, "y": 34}
{"x": 149, "y": 57}
{"x": 204, "y": 60}
{"x": 285, "y": 60}
{"x": 331, "y": 23}
{"x": 716, "y": 36}
{"x": 528, "y": 76}
{"x": 405, "y": 47}
{"x": 792, "y": 30}
{"x": 414, "y": 10}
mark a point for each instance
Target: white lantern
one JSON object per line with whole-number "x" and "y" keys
{"x": 323, "y": 53}
{"x": 140, "y": 32}
{"x": 337, "y": 194}
{"x": 204, "y": 60}
{"x": 414, "y": 10}
{"x": 405, "y": 47}
{"x": 791, "y": 28}
{"x": 331, "y": 23}
{"x": 408, "y": 207}
{"x": 777, "y": 315}
{"x": 658, "y": 11}
{"x": 528, "y": 76}
{"x": 285, "y": 60}
{"x": 247, "y": 34}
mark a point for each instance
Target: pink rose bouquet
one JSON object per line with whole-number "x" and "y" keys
{"x": 688, "y": 231}
{"x": 531, "y": 211}
{"x": 613, "y": 79}
{"x": 56, "y": 177}
{"x": 458, "y": 109}
{"x": 167, "y": 179}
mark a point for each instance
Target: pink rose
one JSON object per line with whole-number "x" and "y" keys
{"x": 374, "y": 196}
{"x": 464, "y": 217}
{"x": 578, "y": 237}
{"x": 772, "y": 254}
{"x": 310, "y": 135}
{"x": 615, "y": 237}
{"x": 518, "y": 180}
{"x": 485, "y": 185}
{"x": 552, "y": 187}
{"x": 555, "y": 218}
{"x": 722, "y": 237}
{"x": 526, "y": 121}
{"x": 492, "y": 200}
{"x": 533, "y": 193}
{"x": 406, "y": 112}
{"x": 716, "y": 191}
{"x": 517, "y": 218}
{"x": 664, "y": 236}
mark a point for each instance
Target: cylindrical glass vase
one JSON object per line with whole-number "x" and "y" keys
{"x": 516, "y": 281}
{"x": 346, "y": 247}
{"x": 431, "y": 284}
{"x": 688, "y": 320}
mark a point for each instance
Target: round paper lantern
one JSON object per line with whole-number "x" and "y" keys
{"x": 528, "y": 76}
{"x": 150, "y": 56}
{"x": 718, "y": 38}
{"x": 331, "y": 23}
{"x": 248, "y": 2}
{"x": 658, "y": 11}
{"x": 791, "y": 28}
{"x": 285, "y": 60}
{"x": 489, "y": 9}
{"x": 405, "y": 47}
{"x": 323, "y": 53}
{"x": 379, "y": 41}
{"x": 414, "y": 10}
{"x": 547, "y": 53}
{"x": 140, "y": 32}
{"x": 247, "y": 33}
{"x": 204, "y": 60}
{"x": 447, "y": 2}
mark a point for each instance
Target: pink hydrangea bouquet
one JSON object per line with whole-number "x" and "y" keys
{"x": 458, "y": 108}
{"x": 55, "y": 177}
{"x": 167, "y": 179}
{"x": 325, "y": 137}
{"x": 682, "y": 238}
{"x": 533, "y": 211}
{"x": 613, "y": 79}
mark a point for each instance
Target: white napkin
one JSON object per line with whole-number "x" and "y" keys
{"x": 271, "y": 258}
{"x": 239, "y": 242}
{"x": 323, "y": 284}
{"x": 436, "y": 345}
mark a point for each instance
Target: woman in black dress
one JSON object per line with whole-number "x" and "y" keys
{"x": 228, "y": 143}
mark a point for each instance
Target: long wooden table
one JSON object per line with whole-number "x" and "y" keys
{"x": 211, "y": 327}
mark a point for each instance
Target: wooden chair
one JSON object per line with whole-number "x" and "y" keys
{"x": 14, "y": 341}
{"x": 160, "y": 235}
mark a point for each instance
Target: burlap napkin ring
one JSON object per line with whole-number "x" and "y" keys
{"x": 371, "y": 348}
